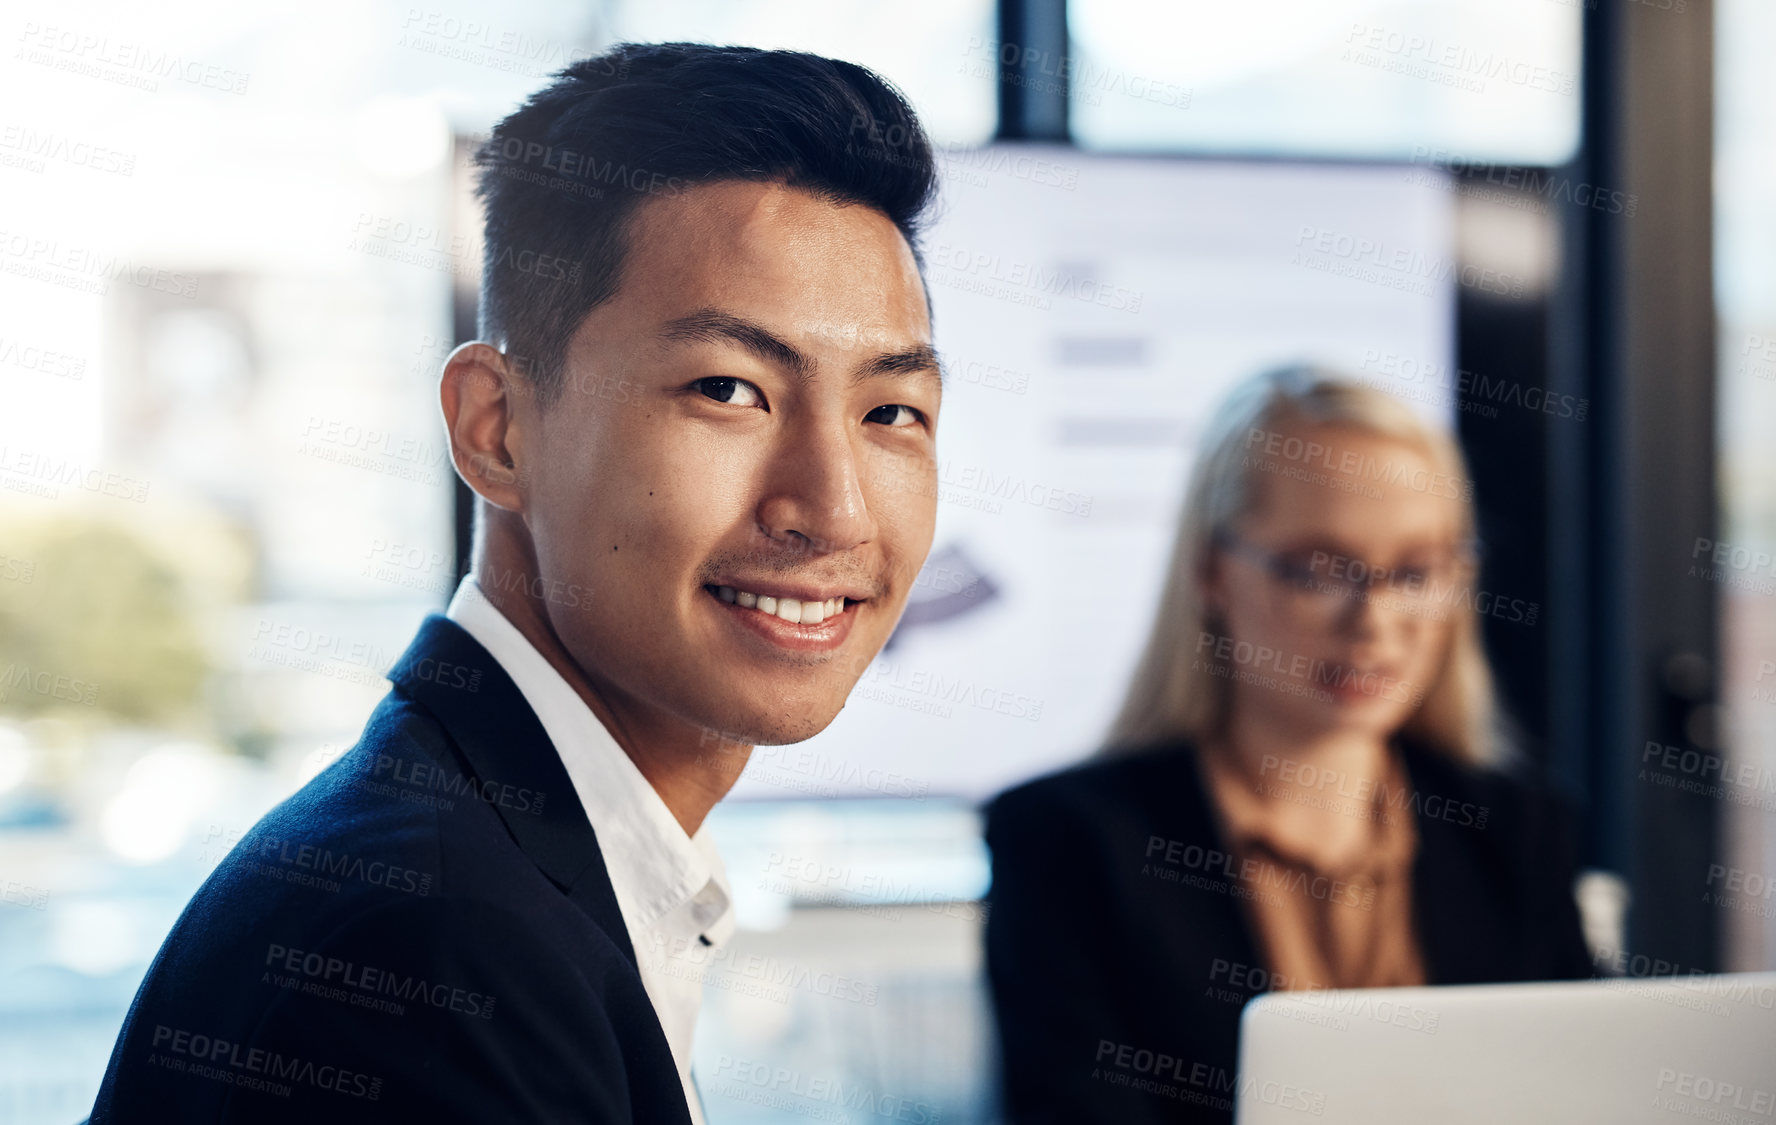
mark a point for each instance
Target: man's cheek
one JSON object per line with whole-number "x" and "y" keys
{"x": 906, "y": 487}
{"x": 904, "y": 501}
{"x": 596, "y": 533}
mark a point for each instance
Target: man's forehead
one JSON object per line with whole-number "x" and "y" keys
{"x": 825, "y": 277}
{"x": 870, "y": 336}
{"x": 763, "y": 217}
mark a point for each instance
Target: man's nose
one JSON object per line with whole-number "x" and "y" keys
{"x": 816, "y": 498}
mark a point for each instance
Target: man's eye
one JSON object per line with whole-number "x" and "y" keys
{"x": 1297, "y": 573}
{"x": 736, "y": 391}
{"x": 894, "y": 414}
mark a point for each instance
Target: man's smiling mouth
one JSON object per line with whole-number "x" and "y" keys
{"x": 795, "y": 610}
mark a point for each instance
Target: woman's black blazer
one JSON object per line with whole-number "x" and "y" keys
{"x": 1120, "y": 953}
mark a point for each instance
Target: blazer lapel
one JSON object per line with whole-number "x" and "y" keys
{"x": 1459, "y": 928}
{"x": 449, "y": 673}
{"x": 1222, "y": 923}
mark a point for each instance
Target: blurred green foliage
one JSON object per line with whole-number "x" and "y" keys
{"x": 95, "y": 620}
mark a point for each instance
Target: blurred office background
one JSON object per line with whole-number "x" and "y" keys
{"x": 236, "y": 241}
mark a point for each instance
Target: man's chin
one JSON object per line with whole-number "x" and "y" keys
{"x": 782, "y": 732}
{"x": 782, "y": 726}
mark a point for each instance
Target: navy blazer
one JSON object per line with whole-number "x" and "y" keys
{"x": 424, "y": 932}
{"x": 1120, "y": 952}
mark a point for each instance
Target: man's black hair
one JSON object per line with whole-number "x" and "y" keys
{"x": 561, "y": 177}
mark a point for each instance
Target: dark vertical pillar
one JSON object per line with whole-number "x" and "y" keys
{"x": 1503, "y": 342}
{"x": 1033, "y": 70}
{"x": 1653, "y": 634}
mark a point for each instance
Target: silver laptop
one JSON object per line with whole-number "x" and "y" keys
{"x": 1611, "y": 1052}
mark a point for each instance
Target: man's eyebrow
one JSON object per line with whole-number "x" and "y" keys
{"x": 921, "y": 359}
{"x": 712, "y": 326}
{"x": 717, "y": 327}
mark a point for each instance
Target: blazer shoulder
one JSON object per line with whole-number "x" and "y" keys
{"x": 1512, "y": 791}
{"x": 382, "y": 792}
{"x": 1098, "y": 790}
{"x": 1521, "y": 816}
{"x": 405, "y": 773}
{"x": 396, "y": 818}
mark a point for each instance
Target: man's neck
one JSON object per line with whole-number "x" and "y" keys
{"x": 690, "y": 767}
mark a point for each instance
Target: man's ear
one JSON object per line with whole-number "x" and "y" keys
{"x": 479, "y": 394}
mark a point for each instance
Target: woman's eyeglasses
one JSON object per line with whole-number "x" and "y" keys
{"x": 1314, "y": 585}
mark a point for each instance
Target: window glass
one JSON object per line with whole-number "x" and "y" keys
{"x": 1472, "y": 80}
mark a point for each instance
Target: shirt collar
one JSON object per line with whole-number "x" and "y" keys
{"x": 663, "y": 878}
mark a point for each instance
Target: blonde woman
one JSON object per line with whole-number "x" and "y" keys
{"x": 1305, "y": 787}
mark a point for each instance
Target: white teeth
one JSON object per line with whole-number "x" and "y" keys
{"x": 793, "y": 610}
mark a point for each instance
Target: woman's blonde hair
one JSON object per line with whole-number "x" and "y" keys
{"x": 1175, "y": 694}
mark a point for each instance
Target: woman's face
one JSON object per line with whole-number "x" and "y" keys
{"x": 1332, "y": 602}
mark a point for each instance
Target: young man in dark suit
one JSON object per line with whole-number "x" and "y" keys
{"x": 700, "y": 422}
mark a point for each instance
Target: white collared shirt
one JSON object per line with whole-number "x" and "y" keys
{"x": 671, "y": 888}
